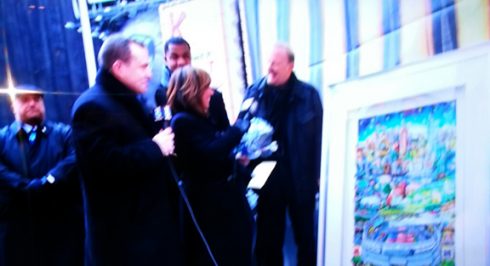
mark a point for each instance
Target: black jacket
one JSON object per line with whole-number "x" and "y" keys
{"x": 301, "y": 130}
{"x": 130, "y": 198}
{"x": 221, "y": 209}
{"x": 36, "y": 224}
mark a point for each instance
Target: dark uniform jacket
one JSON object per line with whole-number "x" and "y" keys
{"x": 128, "y": 191}
{"x": 41, "y": 226}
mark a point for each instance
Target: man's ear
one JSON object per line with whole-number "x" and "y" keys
{"x": 116, "y": 67}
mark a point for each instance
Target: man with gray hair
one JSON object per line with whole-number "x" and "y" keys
{"x": 130, "y": 197}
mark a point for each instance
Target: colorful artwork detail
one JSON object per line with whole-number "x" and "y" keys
{"x": 405, "y": 187}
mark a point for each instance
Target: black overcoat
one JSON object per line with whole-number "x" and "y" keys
{"x": 39, "y": 226}
{"x": 129, "y": 196}
{"x": 217, "y": 195}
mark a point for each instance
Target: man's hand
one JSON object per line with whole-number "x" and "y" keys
{"x": 165, "y": 140}
{"x": 242, "y": 159}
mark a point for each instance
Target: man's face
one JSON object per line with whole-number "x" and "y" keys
{"x": 29, "y": 108}
{"x": 136, "y": 72}
{"x": 280, "y": 68}
{"x": 178, "y": 55}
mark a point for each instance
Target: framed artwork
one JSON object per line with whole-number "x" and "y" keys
{"x": 405, "y": 190}
{"x": 406, "y": 167}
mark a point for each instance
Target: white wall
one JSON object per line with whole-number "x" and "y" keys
{"x": 463, "y": 74}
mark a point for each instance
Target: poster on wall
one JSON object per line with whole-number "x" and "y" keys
{"x": 404, "y": 209}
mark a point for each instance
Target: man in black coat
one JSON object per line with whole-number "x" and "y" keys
{"x": 41, "y": 219}
{"x": 295, "y": 111}
{"x": 130, "y": 197}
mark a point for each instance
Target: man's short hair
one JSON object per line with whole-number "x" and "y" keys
{"x": 177, "y": 40}
{"x": 116, "y": 47}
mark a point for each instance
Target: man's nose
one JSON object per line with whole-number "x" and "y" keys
{"x": 32, "y": 102}
{"x": 181, "y": 62}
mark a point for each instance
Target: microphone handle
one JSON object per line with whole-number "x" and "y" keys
{"x": 167, "y": 116}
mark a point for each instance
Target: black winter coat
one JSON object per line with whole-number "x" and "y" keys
{"x": 218, "y": 199}
{"x": 130, "y": 198}
{"x": 302, "y": 131}
{"x": 41, "y": 226}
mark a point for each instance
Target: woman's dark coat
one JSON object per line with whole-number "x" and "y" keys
{"x": 217, "y": 197}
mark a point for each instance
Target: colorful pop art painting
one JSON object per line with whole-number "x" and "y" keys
{"x": 405, "y": 187}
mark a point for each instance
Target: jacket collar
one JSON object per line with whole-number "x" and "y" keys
{"x": 18, "y": 128}
{"x": 290, "y": 84}
{"x": 112, "y": 85}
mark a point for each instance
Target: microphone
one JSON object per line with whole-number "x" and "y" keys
{"x": 167, "y": 116}
{"x": 162, "y": 113}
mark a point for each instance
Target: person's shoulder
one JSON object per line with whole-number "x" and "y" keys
{"x": 306, "y": 88}
{"x": 94, "y": 96}
{"x": 303, "y": 84}
{"x": 262, "y": 82}
{"x": 183, "y": 119}
{"x": 217, "y": 92}
{"x": 12, "y": 126}
{"x": 183, "y": 116}
{"x": 85, "y": 96}
{"x": 217, "y": 96}
{"x": 57, "y": 126}
{"x": 256, "y": 87}
{"x": 5, "y": 130}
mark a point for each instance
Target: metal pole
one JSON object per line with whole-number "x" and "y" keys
{"x": 88, "y": 44}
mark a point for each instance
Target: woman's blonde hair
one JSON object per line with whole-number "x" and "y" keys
{"x": 185, "y": 89}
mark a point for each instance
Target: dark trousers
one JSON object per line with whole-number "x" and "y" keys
{"x": 34, "y": 243}
{"x": 277, "y": 198}
{"x": 226, "y": 221}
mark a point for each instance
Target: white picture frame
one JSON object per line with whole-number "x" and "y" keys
{"x": 462, "y": 76}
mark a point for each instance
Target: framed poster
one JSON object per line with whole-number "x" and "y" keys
{"x": 406, "y": 167}
{"x": 405, "y": 190}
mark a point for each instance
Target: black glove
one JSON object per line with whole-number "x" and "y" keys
{"x": 242, "y": 124}
{"x": 36, "y": 184}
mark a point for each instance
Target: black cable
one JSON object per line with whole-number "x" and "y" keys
{"x": 191, "y": 212}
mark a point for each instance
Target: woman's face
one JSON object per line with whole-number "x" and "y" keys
{"x": 206, "y": 98}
